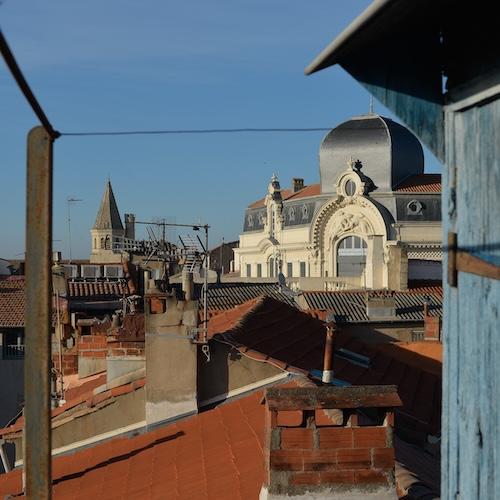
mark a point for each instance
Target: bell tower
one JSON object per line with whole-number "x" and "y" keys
{"x": 108, "y": 232}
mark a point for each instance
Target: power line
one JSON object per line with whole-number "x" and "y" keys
{"x": 24, "y": 87}
{"x": 196, "y": 131}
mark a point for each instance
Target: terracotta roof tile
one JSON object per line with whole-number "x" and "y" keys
{"x": 88, "y": 395}
{"x": 97, "y": 289}
{"x": 287, "y": 194}
{"x": 270, "y": 330}
{"x": 217, "y": 454}
{"x": 421, "y": 183}
{"x": 12, "y": 302}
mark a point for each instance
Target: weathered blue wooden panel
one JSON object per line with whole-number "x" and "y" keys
{"x": 471, "y": 385}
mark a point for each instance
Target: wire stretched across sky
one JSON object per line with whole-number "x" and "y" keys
{"x": 38, "y": 110}
{"x": 196, "y": 131}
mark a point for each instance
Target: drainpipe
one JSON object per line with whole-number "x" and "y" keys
{"x": 328, "y": 358}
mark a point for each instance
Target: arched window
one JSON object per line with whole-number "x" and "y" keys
{"x": 102, "y": 243}
{"x": 351, "y": 256}
{"x": 272, "y": 267}
{"x": 107, "y": 243}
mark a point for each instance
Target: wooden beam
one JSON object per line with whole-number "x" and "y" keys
{"x": 312, "y": 398}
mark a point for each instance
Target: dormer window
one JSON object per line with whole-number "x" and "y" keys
{"x": 414, "y": 208}
{"x": 350, "y": 187}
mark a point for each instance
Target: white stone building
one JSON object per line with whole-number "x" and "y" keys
{"x": 373, "y": 221}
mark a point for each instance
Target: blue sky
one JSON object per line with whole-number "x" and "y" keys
{"x": 121, "y": 65}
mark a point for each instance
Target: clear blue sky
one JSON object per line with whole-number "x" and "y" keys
{"x": 118, "y": 65}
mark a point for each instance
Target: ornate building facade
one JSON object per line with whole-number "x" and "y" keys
{"x": 373, "y": 221}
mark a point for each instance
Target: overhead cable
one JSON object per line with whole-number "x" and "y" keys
{"x": 25, "y": 88}
{"x": 197, "y": 131}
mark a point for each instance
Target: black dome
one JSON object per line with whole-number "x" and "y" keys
{"x": 387, "y": 151}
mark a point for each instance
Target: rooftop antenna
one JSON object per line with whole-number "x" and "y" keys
{"x": 70, "y": 200}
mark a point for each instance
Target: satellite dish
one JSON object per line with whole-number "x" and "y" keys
{"x": 281, "y": 279}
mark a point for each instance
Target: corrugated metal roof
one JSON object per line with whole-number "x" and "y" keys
{"x": 351, "y": 306}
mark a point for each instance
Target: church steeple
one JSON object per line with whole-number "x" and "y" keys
{"x": 108, "y": 232}
{"x": 108, "y": 216}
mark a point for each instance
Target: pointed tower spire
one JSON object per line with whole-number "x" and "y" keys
{"x": 108, "y": 216}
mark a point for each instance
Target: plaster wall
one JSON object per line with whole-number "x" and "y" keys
{"x": 89, "y": 366}
{"x": 228, "y": 370}
{"x": 171, "y": 361}
{"x": 121, "y": 365}
{"x": 121, "y": 412}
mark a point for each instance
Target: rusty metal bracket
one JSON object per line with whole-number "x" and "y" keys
{"x": 465, "y": 262}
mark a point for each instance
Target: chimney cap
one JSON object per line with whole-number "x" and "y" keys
{"x": 328, "y": 397}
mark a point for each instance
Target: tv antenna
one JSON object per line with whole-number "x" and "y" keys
{"x": 70, "y": 201}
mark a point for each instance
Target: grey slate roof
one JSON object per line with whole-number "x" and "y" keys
{"x": 224, "y": 296}
{"x": 350, "y": 307}
{"x": 108, "y": 216}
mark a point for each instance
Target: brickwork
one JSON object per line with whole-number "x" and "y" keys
{"x": 313, "y": 450}
{"x": 92, "y": 346}
{"x": 432, "y": 328}
{"x": 69, "y": 363}
{"x": 120, "y": 348}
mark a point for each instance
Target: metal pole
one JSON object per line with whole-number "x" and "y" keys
{"x": 69, "y": 228}
{"x": 37, "y": 364}
{"x": 205, "y": 289}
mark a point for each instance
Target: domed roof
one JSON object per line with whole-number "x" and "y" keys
{"x": 388, "y": 152}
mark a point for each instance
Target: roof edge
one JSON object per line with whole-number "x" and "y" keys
{"x": 331, "y": 54}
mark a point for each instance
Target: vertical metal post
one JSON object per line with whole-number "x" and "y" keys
{"x": 205, "y": 289}
{"x": 37, "y": 363}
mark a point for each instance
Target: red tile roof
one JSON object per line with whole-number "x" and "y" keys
{"x": 218, "y": 454}
{"x": 88, "y": 395}
{"x": 421, "y": 183}
{"x": 12, "y": 302}
{"x": 269, "y": 330}
{"x": 97, "y": 289}
{"x": 288, "y": 194}
{"x": 215, "y": 455}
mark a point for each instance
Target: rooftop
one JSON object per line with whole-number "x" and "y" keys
{"x": 422, "y": 183}
{"x": 216, "y": 454}
{"x": 268, "y": 330}
{"x": 288, "y": 194}
{"x": 108, "y": 216}
{"x": 350, "y": 306}
{"x": 12, "y": 302}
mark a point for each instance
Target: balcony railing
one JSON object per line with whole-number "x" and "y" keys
{"x": 13, "y": 351}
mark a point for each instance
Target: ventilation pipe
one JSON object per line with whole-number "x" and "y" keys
{"x": 328, "y": 357}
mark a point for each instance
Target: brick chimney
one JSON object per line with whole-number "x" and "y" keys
{"x": 297, "y": 184}
{"x": 130, "y": 226}
{"x": 432, "y": 325}
{"x": 318, "y": 447}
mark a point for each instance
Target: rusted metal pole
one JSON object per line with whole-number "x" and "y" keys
{"x": 37, "y": 364}
{"x": 328, "y": 357}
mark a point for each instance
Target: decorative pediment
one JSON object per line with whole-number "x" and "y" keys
{"x": 343, "y": 215}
